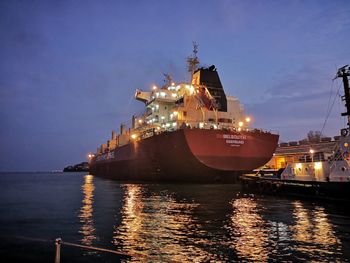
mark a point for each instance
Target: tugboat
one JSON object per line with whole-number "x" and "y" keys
{"x": 320, "y": 169}
{"x": 189, "y": 132}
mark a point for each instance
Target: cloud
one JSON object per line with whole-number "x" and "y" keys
{"x": 68, "y": 71}
{"x": 298, "y": 103}
{"x": 308, "y": 81}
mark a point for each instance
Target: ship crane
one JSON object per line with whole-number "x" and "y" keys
{"x": 206, "y": 101}
{"x": 344, "y": 73}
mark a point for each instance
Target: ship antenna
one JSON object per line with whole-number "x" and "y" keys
{"x": 344, "y": 73}
{"x": 193, "y": 61}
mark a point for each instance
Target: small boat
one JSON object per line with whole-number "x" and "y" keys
{"x": 320, "y": 169}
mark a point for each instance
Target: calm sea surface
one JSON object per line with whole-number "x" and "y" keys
{"x": 162, "y": 222}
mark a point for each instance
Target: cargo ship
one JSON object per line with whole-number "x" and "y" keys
{"x": 317, "y": 168}
{"x": 189, "y": 132}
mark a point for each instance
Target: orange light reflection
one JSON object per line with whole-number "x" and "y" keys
{"x": 157, "y": 226}
{"x": 86, "y": 211}
{"x": 314, "y": 230}
{"x": 249, "y": 234}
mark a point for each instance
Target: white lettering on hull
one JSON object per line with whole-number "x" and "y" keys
{"x": 105, "y": 156}
{"x": 234, "y": 140}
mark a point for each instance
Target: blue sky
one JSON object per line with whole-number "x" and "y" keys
{"x": 69, "y": 69}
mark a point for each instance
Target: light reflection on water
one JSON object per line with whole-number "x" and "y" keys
{"x": 86, "y": 212}
{"x": 199, "y": 223}
{"x": 248, "y": 230}
{"x": 158, "y": 226}
{"x": 313, "y": 229}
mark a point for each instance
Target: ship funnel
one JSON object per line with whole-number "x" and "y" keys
{"x": 209, "y": 77}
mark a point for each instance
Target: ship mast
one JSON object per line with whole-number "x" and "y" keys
{"x": 168, "y": 79}
{"x": 344, "y": 73}
{"x": 193, "y": 61}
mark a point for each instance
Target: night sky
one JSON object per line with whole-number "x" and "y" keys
{"x": 69, "y": 69}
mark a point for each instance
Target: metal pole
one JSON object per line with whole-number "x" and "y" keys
{"x": 344, "y": 73}
{"x": 347, "y": 94}
{"x": 58, "y": 250}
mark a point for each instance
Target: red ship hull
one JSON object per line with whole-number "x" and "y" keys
{"x": 188, "y": 155}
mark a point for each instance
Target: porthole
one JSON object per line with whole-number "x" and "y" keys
{"x": 343, "y": 168}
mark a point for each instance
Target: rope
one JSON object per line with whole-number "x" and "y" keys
{"x": 329, "y": 110}
{"x": 330, "y": 97}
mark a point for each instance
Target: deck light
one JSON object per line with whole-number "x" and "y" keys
{"x": 318, "y": 166}
{"x": 133, "y": 136}
{"x": 247, "y": 119}
{"x": 312, "y": 151}
{"x": 240, "y": 124}
{"x": 154, "y": 87}
{"x": 191, "y": 90}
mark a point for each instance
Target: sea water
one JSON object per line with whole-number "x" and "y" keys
{"x": 163, "y": 222}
